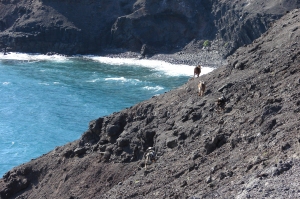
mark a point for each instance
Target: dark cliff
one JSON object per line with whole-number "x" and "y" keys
{"x": 248, "y": 149}
{"x": 146, "y": 26}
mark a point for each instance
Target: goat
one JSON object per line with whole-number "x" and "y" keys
{"x": 201, "y": 88}
{"x": 221, "y": 103}
{"x": 150, "y": 156}
{"x": 197, "y": 71}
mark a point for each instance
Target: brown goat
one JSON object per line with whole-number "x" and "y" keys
{"x": 201, "y": 88}
{"x": 197, "y": 71}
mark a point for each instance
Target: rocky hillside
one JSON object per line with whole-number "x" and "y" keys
{"x": 146, "y": 26}
{"x": 249, "y": 148}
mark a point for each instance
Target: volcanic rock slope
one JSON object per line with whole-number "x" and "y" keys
{"x": 146, "y": 26}
{"x": 250, "y": 149}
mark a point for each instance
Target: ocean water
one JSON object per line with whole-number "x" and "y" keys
{"x": 48, "y": 101}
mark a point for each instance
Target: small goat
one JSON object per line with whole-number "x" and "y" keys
{"x": 150, "y": 156}
{"x": 201, "y": 88}
{"x": 197, "y": 71}
{"x": 221, "y": 103}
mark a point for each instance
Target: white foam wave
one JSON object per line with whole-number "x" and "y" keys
{"x": 156, "y": 88}
{"x": 32, "y": 57}
{"x": 46, "y": 84}
{"x": 165, "y": 67}
{"x": 6, "y": 83}
{"x": 115, "y": 79}
{"x": 122, "y": 79}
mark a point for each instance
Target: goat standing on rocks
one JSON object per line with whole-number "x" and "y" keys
{"x": 150, "y": 156}
{"x": 201, "y": 88}
{"x": 221, "y": 103}
{"x": 197, "y": 71}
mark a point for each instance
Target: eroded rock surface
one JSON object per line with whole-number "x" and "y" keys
{"x": 205, "y": 31}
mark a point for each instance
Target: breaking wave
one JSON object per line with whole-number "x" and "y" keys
{"x": 165, "y": 67}
{"x": 33, "y": 57}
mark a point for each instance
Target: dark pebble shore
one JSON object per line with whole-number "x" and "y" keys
{"x": 204, "y": 58}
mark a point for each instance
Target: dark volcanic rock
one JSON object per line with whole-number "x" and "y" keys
{"x": 202, "y": 31}
{"x": 66, "y": 27}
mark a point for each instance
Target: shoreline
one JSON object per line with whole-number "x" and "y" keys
{"x": 207, "y": 58}
{"x": 213, "y": 60}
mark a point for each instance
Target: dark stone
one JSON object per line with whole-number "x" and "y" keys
{"x": 106, "y": 155}
{"x": 195, "y": 155}
{"x": 282, "y": 167}
{"x": 102, "y": 142}
{"x": 183, "y": 184}
{"x": 222, "y": 175}
{"x": 112, "y": 130}
{"x": 217, "y": 142}
{"x": 172, "y": 142}
{"x": 208, "y": 180}
{"x": 268, "y": 126}
{"x": 240, "y": 66}
{"x": 122, "y": 142}
{"x": 271, "y": 109}
{"x": 266, "y": 69}
{"x": 148, "y": 135}
{"x": 89, "y": 137}
{"x": 196, "y": 116}
{"x": 96, "y": 125}
{"x": 80, "y": 151}
{"x": 68, "y": 153}
{"x": 285, "y": 147}
{"x": 226, "y": 86}
{"x": 229, "y": 173}
{"x": 15, "y": 185}
{"x": 147, "y": 50}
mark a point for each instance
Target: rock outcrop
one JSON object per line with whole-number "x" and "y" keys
{"x": 248, "y": 148}
{"x": 88, "y": 26}
{"x": 66, "y": 27}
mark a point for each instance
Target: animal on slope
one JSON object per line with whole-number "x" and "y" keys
{"x": 201, "y": 88}
{"x": 197, "y": 71}
{"x": 221, "y": 103}
{"x": 150, "y": 156}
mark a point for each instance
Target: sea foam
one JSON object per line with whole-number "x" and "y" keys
{"x": 165, "y": 67}
{"x": 122, "y": 79}
{"x": 32, "y": 57}
{"x": 155, "y": 88}
{"x": 6, "y": 83}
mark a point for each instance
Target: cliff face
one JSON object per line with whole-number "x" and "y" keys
{"x": 248, "y": 148}
{"x": 150, "y": 26}
{"x": 66, "y": 27}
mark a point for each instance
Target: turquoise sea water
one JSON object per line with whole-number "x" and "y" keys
{"x": 48, "y": 101}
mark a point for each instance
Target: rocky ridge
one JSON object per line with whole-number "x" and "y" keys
{"x": 205, "y": 31}
{"x": 248, "y": 149}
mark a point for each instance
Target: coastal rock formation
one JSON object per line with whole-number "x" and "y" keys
{"x": 88, "y": 26}
{"x": 247, "y": 149}
{"x": 66, "y": 27}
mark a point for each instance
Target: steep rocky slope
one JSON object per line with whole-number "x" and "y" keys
{"x": 146, "y": 26}
{"x": 66, "y": 27}
{"x": 250, "y": 149}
